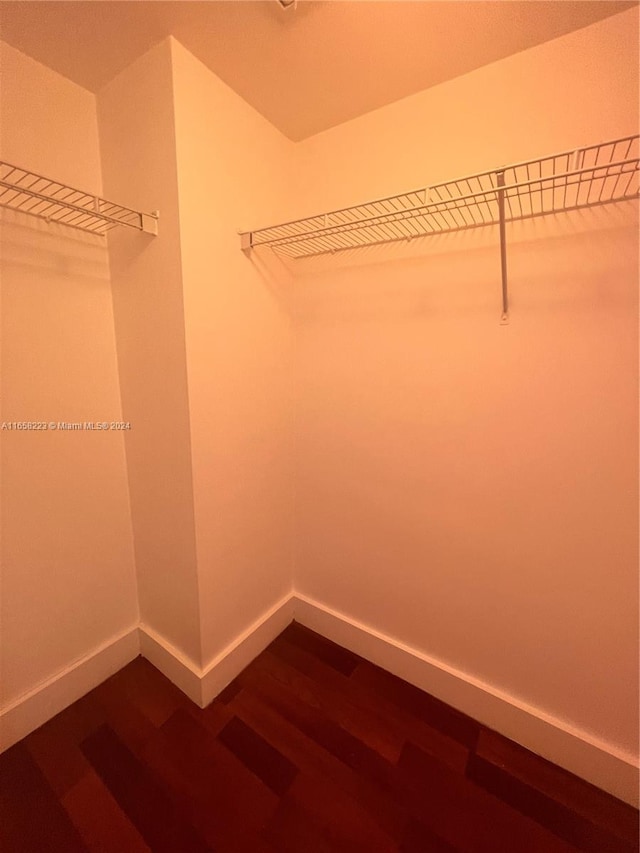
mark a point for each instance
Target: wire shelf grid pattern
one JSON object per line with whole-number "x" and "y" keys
{"x": 36, "y": 195}
{"x": 597, "y": 174}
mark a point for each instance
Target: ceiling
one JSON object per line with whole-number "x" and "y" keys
{"x": 306, "y": 68}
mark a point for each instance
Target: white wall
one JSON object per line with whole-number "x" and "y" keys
{"x": 466, "y": 488}
{"x": 137, "y": 137}
{"x": 232, "y": 163}
{"x": 68, "y": 582}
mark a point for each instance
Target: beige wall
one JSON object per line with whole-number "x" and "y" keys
{"x": 231, "y": 164}
{"x": 137, "y": 138}
{"x": 465, "y": 487}
{"x": 68, "y": 582}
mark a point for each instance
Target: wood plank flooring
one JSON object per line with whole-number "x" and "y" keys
{"x": 310, "y": 750}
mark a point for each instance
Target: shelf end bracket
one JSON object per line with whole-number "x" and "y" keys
{"x": 149, "y": 222}
{"x": 246, "y": 241}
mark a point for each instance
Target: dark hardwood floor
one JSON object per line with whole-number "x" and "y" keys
{"x": 310, "y": 749}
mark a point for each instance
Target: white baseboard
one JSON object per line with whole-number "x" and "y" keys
{"x": 177, "y": 667}
{"x": 31, "y": 710}
{"x": 202, "y": 685}
{"x": 599, "y": 762}
{"x": 247, "y": 646}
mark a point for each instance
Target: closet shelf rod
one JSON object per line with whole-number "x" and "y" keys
{"x": 596, "y": 174}
{"x": 463, "y": 202}
{"x": 28, "y": 192}
{"x": 555, "y": 183}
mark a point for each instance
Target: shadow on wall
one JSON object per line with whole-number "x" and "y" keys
{"x": 130, "y": 246}
{"x": 278, "y": 276}
{"x": 39, "y": 245}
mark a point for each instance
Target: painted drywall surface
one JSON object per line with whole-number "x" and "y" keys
{"x": 231, "y": 165}
{"x": 68, "y": 581}
{"x": 563, "y": 93}
{"x": 466, "y": 487}
{"x": 137, "y": 139}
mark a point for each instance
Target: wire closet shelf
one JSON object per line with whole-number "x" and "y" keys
{"x": 597, "y": 174}
{"x": 54, "y": 201}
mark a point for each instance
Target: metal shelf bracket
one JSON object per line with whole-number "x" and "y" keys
{"x": 504, "y": 319}
{"x": 246, "y": 242}
{"x": 150, "y": 222}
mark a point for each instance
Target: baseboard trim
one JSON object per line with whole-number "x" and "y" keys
{"x": 202, "y": 684}
{"x": 597, "y": 761}
{"x": 171, "y": 662}
{"x": 34, "y": 708}
{"x": 31, "y": 710}
{"x": 247, "y": 646}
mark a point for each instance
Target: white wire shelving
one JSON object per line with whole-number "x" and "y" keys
{"x": 596, "y": 174}
{"x": 28, "y": 192}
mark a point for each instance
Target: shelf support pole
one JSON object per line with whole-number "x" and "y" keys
{"x": 504, "y": 319}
